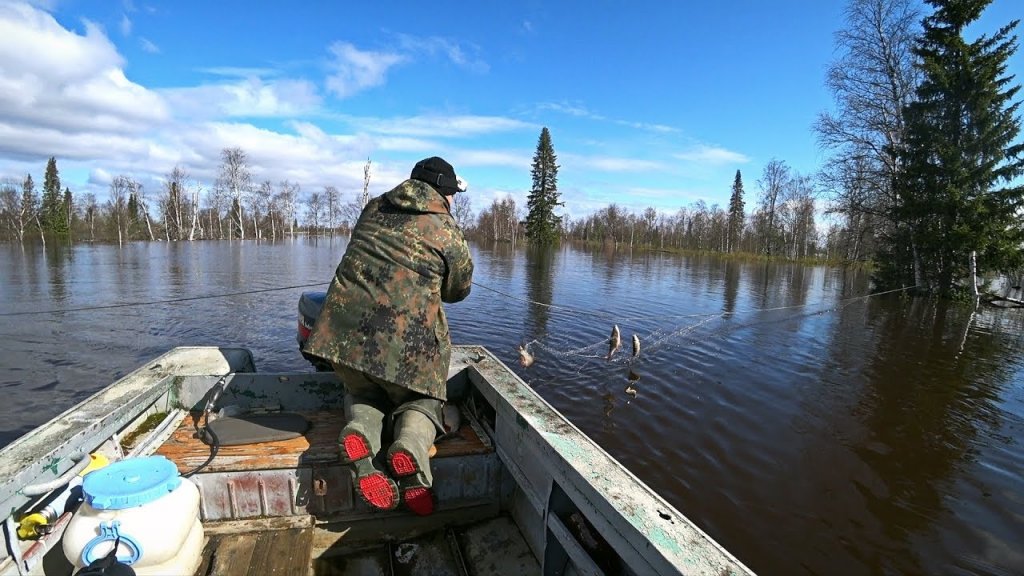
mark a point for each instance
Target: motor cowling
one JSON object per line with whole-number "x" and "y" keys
{"x": 310, "y": 304}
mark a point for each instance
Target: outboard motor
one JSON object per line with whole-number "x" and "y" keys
{"x": 310, "y": 304}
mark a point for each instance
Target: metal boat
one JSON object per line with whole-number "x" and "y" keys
{"x": 520, "y": 490}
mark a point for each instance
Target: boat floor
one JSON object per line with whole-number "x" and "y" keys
{"x": 489, "y": 548}
{"x": 483, "y": 546}
{"x": 279, "y": 552}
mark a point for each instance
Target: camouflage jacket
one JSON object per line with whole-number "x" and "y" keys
{"x": 383, "y": 312}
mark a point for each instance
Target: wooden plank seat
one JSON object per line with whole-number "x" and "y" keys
{"x": 270, "y": 552}
{"x": 318, "y": 446}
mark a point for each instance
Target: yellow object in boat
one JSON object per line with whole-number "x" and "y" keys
{"x": 97, "y": 461}
{"x": 34, "y": 525}
{"x": 31, "y": 526}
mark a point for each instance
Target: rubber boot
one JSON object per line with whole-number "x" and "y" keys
{"x": 409, "y": 460}
{"x": 359, "y": 444}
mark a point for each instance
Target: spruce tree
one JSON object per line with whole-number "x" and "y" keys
{"x": 736, "y": 215}
{"x": 29, "y": 203}
{"x": 961, "y": 155}
{"x": 132, "y": 215}
{"x": 542, "y": 225}
{"x": 54, "y": 214}
{"x": 69, "y": 208}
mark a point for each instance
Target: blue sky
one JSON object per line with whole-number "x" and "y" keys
{"x": 649, "y": 103}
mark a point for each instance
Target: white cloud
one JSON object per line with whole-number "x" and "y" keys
{"x": 492, "y": 158}
{"x": 581, "y": 111}
{"x": 100, "y": 177}
{"x": 577, "y": 110}
{"x": 309, "y": 156}
{"x": 458, "y": 126}
{"x": 663, "y": 195}
{"x": 43, "y": 142}
{"x": 613, "y": 163}
{"x": 246, "y": 98}
{"x": 453, "y": 51}
{"x": 126, "y": 25}
{"x": 648, "y": 127}
{"x": 48, "y": 5}
{"x": 356, "y": 70}
{"x": 405, "y": 144}
{"x": 56, "y": 82}
{"x": 240, "y": 71}
{"x": 66, "y": 94}
{"x": 712, "y": 155}
{"x": 148, "y": 46}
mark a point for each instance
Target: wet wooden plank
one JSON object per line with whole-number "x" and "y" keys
{"x": 465, "y": 442}
{"x": 282, "y": 553}
{"x": 318, "y": 446}
{"x": 266, "y": 553}
{"x": 228, "y": 555}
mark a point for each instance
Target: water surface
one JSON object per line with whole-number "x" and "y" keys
{"x": 807, "y": 428}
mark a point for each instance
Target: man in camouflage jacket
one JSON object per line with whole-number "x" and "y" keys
{"x": 384, "y": 330}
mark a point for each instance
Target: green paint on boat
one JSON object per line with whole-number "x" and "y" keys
{"x": 52, "y": 465}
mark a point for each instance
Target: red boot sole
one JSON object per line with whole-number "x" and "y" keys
{"x": 355, "y": 447}
{"x": 419, "y": 500}
{"x": 403, "y": 464}
{"x": 379, "y": 491}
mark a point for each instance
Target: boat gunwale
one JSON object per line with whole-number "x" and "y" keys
{"x": 594, "y": 479}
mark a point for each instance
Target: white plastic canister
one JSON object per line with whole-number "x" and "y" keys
{"x": 145, "y": 504}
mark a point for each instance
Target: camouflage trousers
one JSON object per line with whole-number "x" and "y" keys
{"x": 384, "y": 412}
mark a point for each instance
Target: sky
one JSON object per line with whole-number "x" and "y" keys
{"x": 649, "y": 103}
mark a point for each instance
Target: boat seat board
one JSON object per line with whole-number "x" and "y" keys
{"x": 319, "y": 445}
{"x": 276, "y": 552}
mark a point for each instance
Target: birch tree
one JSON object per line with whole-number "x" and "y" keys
{"x": 315, "y": 208}
{"x": 137, "y": 191}
{"x": 18, "y": 206}
{"x": 90, "y": 210}
{"x": 872, "y": 81}
{"x": 10, "y": 209}
{"x": 332, "y": 207}
{"x": 366, "y": 186}
{"x": 176, "y": 205}
{"x": 462, "y": 211}
{"x": 261, "y": 199}
{"x": 236, "y": 180}
{"x": 117, "y": 206}
{"x": 773, "y": 182}
{"x": 286, "y": 200}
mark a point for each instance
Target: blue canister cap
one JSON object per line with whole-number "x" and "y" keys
{"x": 130, "y": 482}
